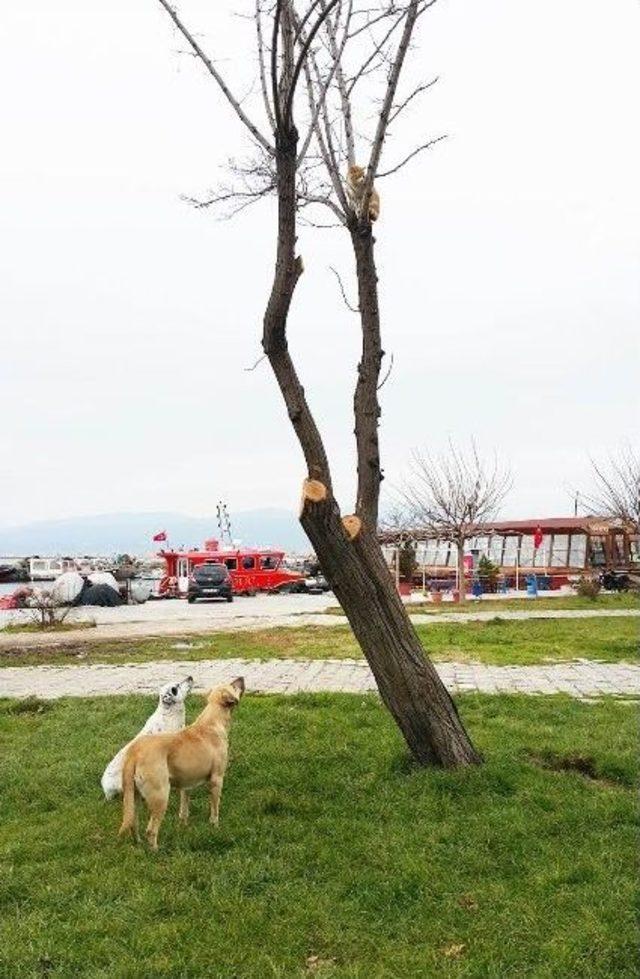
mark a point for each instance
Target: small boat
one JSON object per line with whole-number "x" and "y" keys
{"x": 49, "y": 568}
{"x": 252, "y": 569}
{"x": 10, "y": 572}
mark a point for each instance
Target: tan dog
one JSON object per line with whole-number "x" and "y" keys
{"x": 184, "y": 759}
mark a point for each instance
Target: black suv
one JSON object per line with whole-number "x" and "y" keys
{"x": 210, "y": 581}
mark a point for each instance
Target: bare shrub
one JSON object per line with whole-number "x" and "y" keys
{"x": 46, "y": 612}
{"x": 587, "y": 587}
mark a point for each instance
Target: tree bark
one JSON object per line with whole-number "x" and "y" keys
{"x": 408, "y": 682}
{"x": 349, "y": 554}
{"x": 365, "y": 402}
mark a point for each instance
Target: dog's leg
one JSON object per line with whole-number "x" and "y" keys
{"x": 183, "y": 814}
{"x": 157, "y": 800}
{"x": 216, "y": 791}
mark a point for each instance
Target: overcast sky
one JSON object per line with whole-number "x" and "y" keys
{"x": 508, "y": 257}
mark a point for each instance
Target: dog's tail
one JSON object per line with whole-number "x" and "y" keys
{"x": 128, "y": 794}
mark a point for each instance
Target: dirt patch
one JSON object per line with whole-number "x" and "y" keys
{"x": 12, "y": 654}
{"x": 582, "y": 764}
{"x": 29, "y": 705}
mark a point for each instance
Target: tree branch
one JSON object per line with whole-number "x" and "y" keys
{"x": 326, "y": 84}
{"x": 302, "y": 57}
{"x": 275, "y": 93}
{"x": 211, "y": 68}
{"x": 336, "y": 54}
{"x": 414, "y": 10}
{"x": 354, "y": 309}
{"x": 325, "y": 145}
{"x": 419, "y": 149}
{"x": 387, "y": 375}
{"x": 418, "y": 90}
{"x": 262, "y": 66}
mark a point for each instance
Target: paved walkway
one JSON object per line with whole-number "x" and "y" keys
{"x": 580, "y": 678}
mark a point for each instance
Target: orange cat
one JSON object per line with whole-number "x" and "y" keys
{"x": 355, "y": 181}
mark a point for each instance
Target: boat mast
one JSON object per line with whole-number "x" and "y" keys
{"x": 224, "y": 523}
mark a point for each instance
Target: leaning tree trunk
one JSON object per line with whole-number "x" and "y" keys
{"x": 408, "y": 682}
{"x": 347, "y": 548}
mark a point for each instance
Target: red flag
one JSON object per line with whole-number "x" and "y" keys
{"x": 161, "y": 536}
{"x": 537, "y": 538}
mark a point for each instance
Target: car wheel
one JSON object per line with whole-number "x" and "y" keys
{"x": 229, "y": 598}
{"x": 191, "y": 599}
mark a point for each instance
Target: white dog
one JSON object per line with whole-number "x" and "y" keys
{"x": 168, "y": 716}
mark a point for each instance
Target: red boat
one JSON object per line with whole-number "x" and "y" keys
{"x": 251, "y": 569}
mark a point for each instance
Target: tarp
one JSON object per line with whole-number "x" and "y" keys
{"x": 103, "y": 595}
{"x": 104, "y": 578}
{"x": 66, "y": 588}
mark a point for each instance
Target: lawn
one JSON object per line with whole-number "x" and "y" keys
{"x": 621, "y": 600}
{"x": 336, "y": 856}
{"x": 494, "y": 641}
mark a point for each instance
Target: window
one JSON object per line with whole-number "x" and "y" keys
{"x": 542, "y": 553}
{"x": 577, "y": 550}
{"x": 559, "y": 550}
{"x": 634, "y": 551}
{"x": 248, "y": 563}
{"x": 268, "y": 562}
{"x": 618, "y": 549}
{"x": 231, "y": 563}
{"x": 430, "y": 549}
{"x": 597, "y": 552}
{"x": 494, "y": 548}
{"x": 510, "y": 551}
{"x": 442, "y": 552}
{"x": 480, "y": 544}
{"x": 210, "y": 573}
{"x": 452, "y": 557}
{"x": 526, "y": 550}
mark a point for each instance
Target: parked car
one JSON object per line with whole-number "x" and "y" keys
{"x": 210, "y": 581}
{"x": 316, "y": 585}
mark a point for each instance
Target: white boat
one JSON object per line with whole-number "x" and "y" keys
{"x": 49, "y": 568}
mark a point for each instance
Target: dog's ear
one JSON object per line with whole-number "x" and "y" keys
{"x": 239, "y": 685}
{"x": 227, "y": 695}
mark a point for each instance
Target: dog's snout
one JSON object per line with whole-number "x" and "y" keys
{"x": 189, "y": 679}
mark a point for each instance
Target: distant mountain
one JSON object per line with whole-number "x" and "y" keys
{"x": 118, "y": 533}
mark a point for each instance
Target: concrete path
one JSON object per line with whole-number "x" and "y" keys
{"x": 578, "y": 678}
{"x": 158, "y": 619}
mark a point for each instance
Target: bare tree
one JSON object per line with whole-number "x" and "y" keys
{"x": 617, "y": 488}
{"x": 313, "y": 59}
{"x": 449, "y": 496}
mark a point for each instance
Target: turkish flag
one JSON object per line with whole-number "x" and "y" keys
{"x": 537, "y": 538}
{"x": 161, "y": 536}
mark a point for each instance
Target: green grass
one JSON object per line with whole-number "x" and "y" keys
{"x": 497, "y": 641}
{"x": 501, "y": 641}
{"x": 628, "y": 600}
{"x": 336, "y": 856}
{"x": 18, "y": 628}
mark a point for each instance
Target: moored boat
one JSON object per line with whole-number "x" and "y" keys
{"x": 252, "y": 569}
{"x": 49, "y": 568}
